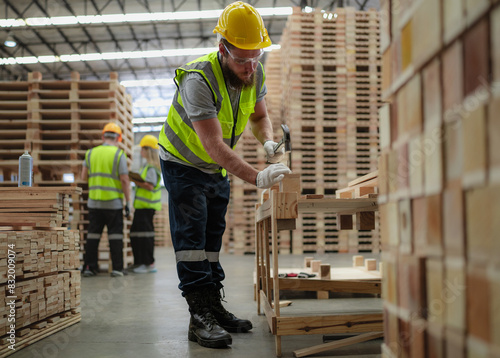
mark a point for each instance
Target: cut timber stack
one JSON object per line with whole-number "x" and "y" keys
{"x": 57, "y": 122}
{"x": 439, "y": 182}
{"x": 329, "y": 73}
{"x": 38, "y": 266}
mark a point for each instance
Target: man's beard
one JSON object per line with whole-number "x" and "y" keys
{"x": 233, "y": 80}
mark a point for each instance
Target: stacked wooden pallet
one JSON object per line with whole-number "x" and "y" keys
{"x": 57, "y": 122}
{"x": 439, "y": 188}
{"x": 329, "y": 73}
{"x": 162, "y": 227}
{"x": 39, "y": 268}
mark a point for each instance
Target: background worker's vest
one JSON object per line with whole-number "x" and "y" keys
{"x": 178, "y": 136}
{"x": 148, "y": 199}
{"x": 104, "y": 179}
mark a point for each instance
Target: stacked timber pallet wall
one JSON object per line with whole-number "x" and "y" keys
{"x": 39, "y": 276}
{"x": 439, "y": 178}
{"x": 57, "y": 122}
{"x": 162, "y": 227}
{"x": 325, "y": 84}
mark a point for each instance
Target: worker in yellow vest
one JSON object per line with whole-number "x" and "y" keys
{"x": 147, "y": 201}
{"x": 216, "y": 96}
{"x": 105, "y": 167}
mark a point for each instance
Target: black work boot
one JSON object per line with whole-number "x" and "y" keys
{"x": 226, "y": 319}
{"x": 203, "y": 328}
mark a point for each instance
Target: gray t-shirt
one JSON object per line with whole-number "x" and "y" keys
{"x": 201, "y": 106}
{"x": 151, "y": 176}
{"x": 115, "y": 203}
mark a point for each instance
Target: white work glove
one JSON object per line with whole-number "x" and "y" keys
{"x": 271, "y": 175}
{"x": 271, "y": 156}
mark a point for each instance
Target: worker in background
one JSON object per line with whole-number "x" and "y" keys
{"x": 105, "y": 167}
{"x": 147, "y": 201}
{"x": 216, "y": 96}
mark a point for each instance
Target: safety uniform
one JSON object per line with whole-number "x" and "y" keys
{"x": 146, "y": 203}
{"x": 198, "y": 187}
{"x": 105, "y": 163}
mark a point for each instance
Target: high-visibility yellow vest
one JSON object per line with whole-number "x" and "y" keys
{"x": 104, "y": 179}
{"x": 148, "y": 199}
{"x": 178, "y": 136}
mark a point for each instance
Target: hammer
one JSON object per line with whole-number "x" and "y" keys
{"x": 285, "y": 140}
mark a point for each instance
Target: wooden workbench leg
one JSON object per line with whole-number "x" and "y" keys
{"x": 278, "y": 346}
{"x": 258, "y": 263}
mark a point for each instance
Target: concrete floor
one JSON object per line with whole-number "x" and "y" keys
{"x": 145, "y": 316}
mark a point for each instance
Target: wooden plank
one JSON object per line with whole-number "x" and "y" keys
{"x": 493, "y": 132}
{"x": 432, "y": 93}
{"x": 339, "y": 323}
{"x": 495, "y": 43}
{"x": 455, "y": 292}
{"x": 453, "y": 77}
{"x": 351, "y": 286}
{"x": 333, "y": 205}
{"x": 454, "y": 219}
{"x": 269, "y": 312}
{"x": 363, "y": 178}
{"x": 478, "y": 305}
{"x": 426, "y": 31}
{"x": 453, "y": 19}
{"x": 474, "y": 140}
{"x": 337, "y": 344}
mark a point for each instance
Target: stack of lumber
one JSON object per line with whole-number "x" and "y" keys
{"x": 325, "y": 84}
{"x": 39, "y": 267}
{"x": 36, "y": 207}
{"x": 439, "y": 188}
{"x": 57, "y": 121}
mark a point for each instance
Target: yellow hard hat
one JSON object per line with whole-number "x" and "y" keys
{"x": 113, "y": 127}
{"x": 242, "y": 26}
{"x": 149, "y": 141}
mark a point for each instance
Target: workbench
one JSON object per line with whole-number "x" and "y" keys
{"x": 278, "y": 210}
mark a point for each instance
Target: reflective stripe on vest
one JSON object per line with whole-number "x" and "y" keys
{"x": 178, "y": 136}
{"x": 104, "y": 179}
{"x": 148, "y": 199}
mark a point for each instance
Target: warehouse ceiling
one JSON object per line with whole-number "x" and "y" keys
{"x": 154, "y": 37}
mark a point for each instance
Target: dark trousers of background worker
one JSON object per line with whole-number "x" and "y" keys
{"x": 113, "y": 220}
{"x": 197, "y": 204}
{"x": 142, "y": 236}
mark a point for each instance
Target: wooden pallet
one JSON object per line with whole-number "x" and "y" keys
{"x": 40, "y": 330}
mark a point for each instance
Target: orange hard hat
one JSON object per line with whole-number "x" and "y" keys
{"x": 114, "y": 128}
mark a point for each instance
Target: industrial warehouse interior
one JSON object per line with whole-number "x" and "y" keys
{"x": 365, "y": 223}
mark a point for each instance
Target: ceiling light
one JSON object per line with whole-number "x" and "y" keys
{"x": 138, "y": 17}
{"x": 9, "y": 41}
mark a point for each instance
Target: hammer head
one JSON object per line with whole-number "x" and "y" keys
{"x": 286, "y": 138}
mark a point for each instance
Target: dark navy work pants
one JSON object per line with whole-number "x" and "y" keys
{"x": 197, "y": 205}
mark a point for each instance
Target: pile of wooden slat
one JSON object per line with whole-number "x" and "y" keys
{"x": 439, "y": 183}
{"x": 35, "y": 207}
{"x": 39, "y": 268}
{"x": 40, "y": 252}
